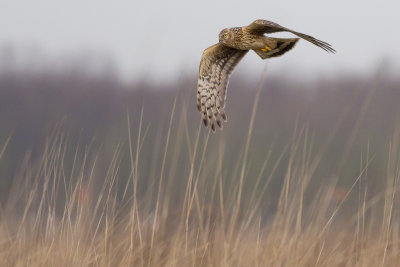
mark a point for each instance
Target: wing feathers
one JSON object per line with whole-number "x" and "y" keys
{"x": 217, "y": 63}
{"x": 261, "y": 26}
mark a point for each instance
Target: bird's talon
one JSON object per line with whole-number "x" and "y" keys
{"x": 265, "y": 49}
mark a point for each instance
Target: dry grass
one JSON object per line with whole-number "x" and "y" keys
{"x": 59, "y": 215}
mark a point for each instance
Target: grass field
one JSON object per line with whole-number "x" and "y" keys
{"x": 187, "y": 205}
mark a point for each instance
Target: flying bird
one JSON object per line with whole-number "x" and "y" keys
{"x": 219, "y": 60}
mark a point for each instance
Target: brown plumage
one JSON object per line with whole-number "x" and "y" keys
{"x": 219, "y": 60}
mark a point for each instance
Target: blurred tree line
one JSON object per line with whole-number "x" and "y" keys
{"x": 349, "y": 115}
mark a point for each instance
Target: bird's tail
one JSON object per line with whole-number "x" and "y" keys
{"x": 275, "y": 47}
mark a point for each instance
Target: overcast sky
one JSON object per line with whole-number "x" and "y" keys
{"x": 162, "y": 39}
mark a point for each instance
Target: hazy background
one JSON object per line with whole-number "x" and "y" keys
{"x": 86, "y": 65}
{"x": 163, "y": 39}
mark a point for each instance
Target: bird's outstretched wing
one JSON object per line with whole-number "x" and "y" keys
{"x": 261, "y": 26}
{"x": 217, "y": 64}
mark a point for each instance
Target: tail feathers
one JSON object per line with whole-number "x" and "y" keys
{"x": 276, "y": 47}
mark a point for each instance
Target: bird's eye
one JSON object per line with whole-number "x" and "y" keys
{"x": 225, "y": 35}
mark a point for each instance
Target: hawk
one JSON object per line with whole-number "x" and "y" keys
{"x": 219, "y": 60}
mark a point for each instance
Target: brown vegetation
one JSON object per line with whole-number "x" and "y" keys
{"x": 129, "y": 178}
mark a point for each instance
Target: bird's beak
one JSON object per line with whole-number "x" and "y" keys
{"x": 220, "y": 38}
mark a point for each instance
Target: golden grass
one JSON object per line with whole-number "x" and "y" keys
{"x": 59, "y": 215}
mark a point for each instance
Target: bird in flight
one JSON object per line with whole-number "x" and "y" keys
{"x": 219, "y": 60}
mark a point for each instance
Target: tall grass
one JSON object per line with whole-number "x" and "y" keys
{"x": 74, "y": 207}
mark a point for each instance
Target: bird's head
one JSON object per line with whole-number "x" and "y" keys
{"x": 225, "y": 36}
